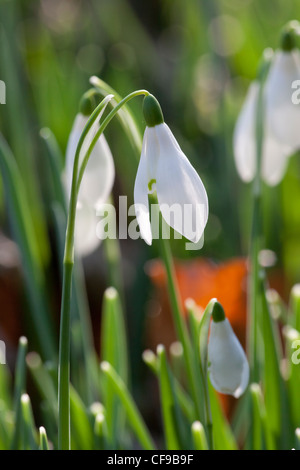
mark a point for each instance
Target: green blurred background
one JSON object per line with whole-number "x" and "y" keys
{"x": 198, "y": 58}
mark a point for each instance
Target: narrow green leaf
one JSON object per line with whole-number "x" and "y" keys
{"x": 262, "y": 434}
{"x": 223, "y": 437}
{"x": 81, "y": 427}
{"x": 272, "y": 378}
{"x": 292, "y": 339}
{"x": 21, "y": 221}
{"x": 27, "y": 427}
{"x": 199, "y": 436}
{"x": 175, "y": 438}
{"x": 19, "y": 389}
{"x": 184, "y": 401}
{"x": 100, "y": 431}
{"x": 114, "y": 351}
{"x": 43, "y": 439}
{"x": 126, "y": 118}
{"x": 134, "y": 417}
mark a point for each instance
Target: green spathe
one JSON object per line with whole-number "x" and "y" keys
{"x": 218, "y": 313}
{"x": 118, "y": 460}
{"x": 289, "y": 34}
{"x": 89, "y": 102}
{"x": 152, "y": 111}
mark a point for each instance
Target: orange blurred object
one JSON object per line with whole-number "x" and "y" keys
{"x": 201, "y": 279}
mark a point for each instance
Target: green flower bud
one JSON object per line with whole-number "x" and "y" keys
{"x": 152, "y": 111}
{"x": 218, "y": 313}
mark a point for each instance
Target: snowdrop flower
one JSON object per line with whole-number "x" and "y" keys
{"x": 274, "y": 153}
{"x": 281, "y": 135}
{"x": 164, "y": 167}
{"x": 227, "y": 363}
{"x": 97, "y": 181}
{"x": 283, "y": 111}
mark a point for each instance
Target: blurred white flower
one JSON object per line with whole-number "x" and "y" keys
{"x": 283, "y": 113}
{"x": 274, "y": 153}
{"x": 163, "y": 166}
{"x": 96, "y": 184}
{"x": 227, "y": 362}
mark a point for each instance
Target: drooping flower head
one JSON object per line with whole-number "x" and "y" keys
{"x": 163, "y": 166}
{"x": 281, "y": 117}
{"x": 98, "y": 178}
{"x": 283, "y": 111}
{"x": 227, "y": 362}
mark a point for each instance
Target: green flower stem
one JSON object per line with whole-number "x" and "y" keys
{"x": 180, "y": 325}
{"x": 64, "y": 341}
{"x": 102, "y": 128}
{"x": 255, "y": 246}
{"x": 64, "y": 361}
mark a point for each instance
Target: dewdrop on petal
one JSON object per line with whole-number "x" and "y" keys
{"x": 227, "y": 362}
{"x": 98, "y": 178}
{"x": 164, "y": 167}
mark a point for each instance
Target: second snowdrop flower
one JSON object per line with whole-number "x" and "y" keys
{"x": 227, "y": 363}
{"x": 274, "y": 153}
{"x": 97, "y": 181}
{"x": 283, "y": 111}
{"x": 163, "y": 166}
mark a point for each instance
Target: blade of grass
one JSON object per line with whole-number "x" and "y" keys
{"x": 271, "y": 375}
{"x": 43, "y": 382}
{"x": 199, "y": 436}
{"x": 223, "y": 437}
{"x": 114, "y": 351}
{"x": 17, "y": 120}
{"x": 100, "y": 432}
{"x": 172, "y": 419}
{"x": 134, "y": 417}
{"x": 295, "y": 307}
{"x": 20, "y": 218}
{"x": 184, "y": 400}
{"x": 262, "y": 434}
{"x": 199, "y": 334}
{"x": 81, "y": 427}
{"x": 19, "y": 389}
{"x": 125, "y": 116}
{"x": 28, "y": 432}
{"x": 43, "y": 439}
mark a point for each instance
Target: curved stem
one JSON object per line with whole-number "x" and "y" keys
{"x": 64, "y": 340}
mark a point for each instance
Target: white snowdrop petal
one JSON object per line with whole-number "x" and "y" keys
{"x": 228, "y": 365}
{"x": 181, "y": 194}
{"x": 77, "y": 129}
{"x": 244, "y": 136}
{"x": 284, "y": 115}
{"x": 99, "y": 175}
{"x": 141, "y": 203}
{"x": 275, "y": 160}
